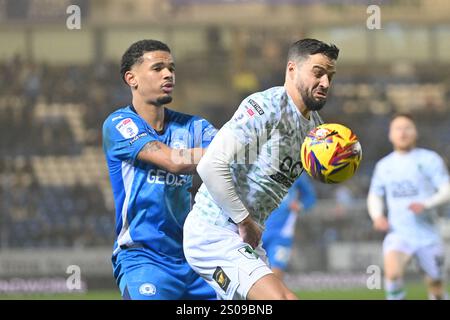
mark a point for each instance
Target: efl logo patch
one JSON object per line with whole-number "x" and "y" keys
{"x": 127, "y": 128}
{"x": 248, "y": 252}
{"x": 250, "y": 112}
{"x": 256, "y": 106}
{"x": 221, "y": 278}
{"x": 147, "y": 289}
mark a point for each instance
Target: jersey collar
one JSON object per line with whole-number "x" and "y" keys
{"x": 166, "y": 115}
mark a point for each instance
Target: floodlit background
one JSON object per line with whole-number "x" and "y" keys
{"x": 57, "y": 85}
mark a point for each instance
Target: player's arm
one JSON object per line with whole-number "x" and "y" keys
{"x": 178, "y": 161}
{"x": 214, "y": 169}
{"x": 375, "y": 206}
{"x": 295, "y": 199}
{"x": 438, "y": 174}
{"x": 251, "y": 121}
{"x": 129, "y": 139}
{"x": 306, "y": 192}
{"x": 375, "y": 201}
{"x": 441, "y": 197}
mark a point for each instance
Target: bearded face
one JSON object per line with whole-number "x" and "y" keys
{"x": 312, "y": 78}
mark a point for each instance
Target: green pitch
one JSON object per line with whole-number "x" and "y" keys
{"x": 414, "y": 292}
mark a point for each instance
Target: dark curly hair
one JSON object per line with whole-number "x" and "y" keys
{"x": 135, "y": 52}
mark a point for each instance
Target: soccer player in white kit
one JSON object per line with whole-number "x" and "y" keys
{"x": 246, "y": 172}
{"x": 414, "y": 182}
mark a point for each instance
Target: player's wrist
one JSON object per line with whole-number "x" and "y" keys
{"x": 246, "y": 221}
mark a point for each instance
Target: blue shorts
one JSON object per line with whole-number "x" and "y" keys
{"x": 140, "y": 276}
{"x": 278, "y": 249}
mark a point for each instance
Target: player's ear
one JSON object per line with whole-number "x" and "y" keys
{"x": 291, "y": 68}
{"x": 390, "y": 134}
{"x": 130, "y": 79}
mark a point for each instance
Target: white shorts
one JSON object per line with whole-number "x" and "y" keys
{"x": 219, "y": 256}
{"x": 430, "y": 257}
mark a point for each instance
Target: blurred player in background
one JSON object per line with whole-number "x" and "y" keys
{"x": 222, "y": 234}
{"x": 414, "y": 182}
{"x": 151, "y": 153}
{"x": 278, "y": 236}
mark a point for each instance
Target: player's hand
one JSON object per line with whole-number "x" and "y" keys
{"x": 294, "y": 206}
{"x": 250, "y": 232}
{"x": 416, "y": 207}
{"x": 381, "y": 224}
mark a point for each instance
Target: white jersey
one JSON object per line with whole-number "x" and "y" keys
{"x": 406, "y": 178}
{"x": 272, "y": 128}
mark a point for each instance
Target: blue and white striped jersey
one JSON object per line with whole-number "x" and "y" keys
{"x": 151, "y": 203}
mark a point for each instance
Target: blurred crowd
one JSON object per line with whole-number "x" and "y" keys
{"x": 37, "y": 214}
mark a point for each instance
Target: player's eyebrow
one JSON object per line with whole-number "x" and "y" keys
{"x": 331, "y": 71}
{"x": 162, "y": 64}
